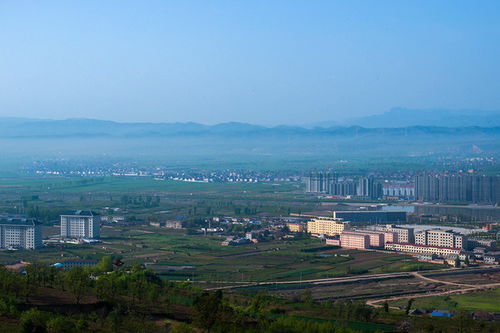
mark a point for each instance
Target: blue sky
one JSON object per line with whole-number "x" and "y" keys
{"x": 262, "y": 62}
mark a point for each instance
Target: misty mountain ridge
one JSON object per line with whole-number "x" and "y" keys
{"x": 233, "y": 142}
{"x": 404, "y": 117}
{"x": 398, "y": 121}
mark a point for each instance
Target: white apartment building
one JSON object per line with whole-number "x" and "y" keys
{"x": 19, "y": 232}
{"x": 422, "y": 249}
{"x": 438, "y": 237}
{"x": 81, "y": 224}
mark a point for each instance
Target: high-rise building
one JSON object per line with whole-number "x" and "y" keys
{"x": 81, "y": 224}
{"x": 438, "y": 237}
{"x": 19, "y": 232}
{"x": 458, "y": 188}
{"x": 319, "y": 182}
{"x": 369, "y": 187}
{"x": 398, "y": 191}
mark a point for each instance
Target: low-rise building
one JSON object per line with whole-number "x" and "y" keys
{"x": 333, "y": 241}
{"x": 378, "y": 216}
{"x": 478, "y": 242}
{"x": 295, "y": 227}
{"x": 69, "y": 264}
{"x": 438, "y": 237}
{"x": 405, "y": 235}
{"x": 173, "y": 225}
{"x": 326, "y": 226}
{"x": 391, "y": 237}
{"x": 354, "y": 240}
{"x": 377, "y": 238}
{"x": 421, "y": 249}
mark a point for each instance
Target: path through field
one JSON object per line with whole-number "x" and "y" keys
{"x": 466, "y": 288}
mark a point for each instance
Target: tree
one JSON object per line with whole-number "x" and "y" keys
{"x": 108, "y": 287}
{"x": 457, "y": 261}
{"x": 104, "y": 265}
{"x": 306, "y": 296}
{"x": 77, "y": 282}
{"x": 408, "y": 306}
{"x": 60, "y": 324}
{"x": 386, "y": 306}
{"x": 206, "y": 310}
{"x": 33, "y": 321}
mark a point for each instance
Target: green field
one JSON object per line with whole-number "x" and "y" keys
{"x": 207, "y": 260}
{"x": 479, "y": 301}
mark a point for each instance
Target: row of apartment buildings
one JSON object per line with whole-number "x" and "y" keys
{"x": 391, "y": 237}
{"x": 329, "y": 183}
{"x": 425, "y": 187}
{"x": 435, "y": 241}
{"x": 458, "y": 188}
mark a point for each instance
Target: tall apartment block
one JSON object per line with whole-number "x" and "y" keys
{"x": 19, "y": 232}
{"x": 443, "y": 238}
{"x": 329, "y": 183}
{"x": 81, "y": 224}
{"x": 458, "y": 188}
{"x": 405, "y": 235}
{"x": 319, "y": 182}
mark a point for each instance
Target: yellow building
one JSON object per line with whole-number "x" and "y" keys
{"x": 295, "y": 227}
{"x": 327, "y": 226}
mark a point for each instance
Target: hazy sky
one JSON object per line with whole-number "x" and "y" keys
{"x": 264, "y": 62}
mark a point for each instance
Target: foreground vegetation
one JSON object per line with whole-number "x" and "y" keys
{"x": 134, "y": 299}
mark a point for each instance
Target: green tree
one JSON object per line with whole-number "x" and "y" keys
{"x": 306, "y": 296}
{"x": 33, "y": 321}
{"x": 206, "y": 310}
{"x": 386, "y": 306}
{"x": 104, "y": 265}
{"x": 77, "y": 282}
{"x": 408, "y": 306}
{"x": 60, "y": 324}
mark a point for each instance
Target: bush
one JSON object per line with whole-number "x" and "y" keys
{"x": 33, "y": 321}
{"x": 60, "y": 324}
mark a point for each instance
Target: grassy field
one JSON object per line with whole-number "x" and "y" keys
{"x": 479, "y": 301}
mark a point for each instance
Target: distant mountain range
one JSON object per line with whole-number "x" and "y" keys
{"x": 401, "y": 117}
{"x": 395, "y": 122}
{"x": 182, "y": 141}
